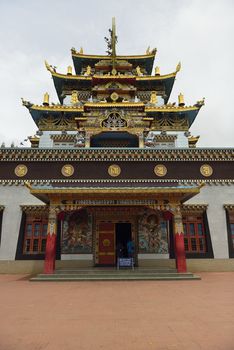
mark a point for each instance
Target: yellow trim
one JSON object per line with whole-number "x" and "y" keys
{"x": 157, "y": 77}
{"x": 139, "y": 78}
{"x": 111, "y": 105}
{"x": 58, "y": 108}
{"x": 121, "y": 76}
{"x": 117, "y": 104}
{"x": 107, "y": 253}
{"x": 171, "y": 109}
{"x": 123, "y": 190}
{"x": 71, "y": 77}
{"x": 108, "y": 58}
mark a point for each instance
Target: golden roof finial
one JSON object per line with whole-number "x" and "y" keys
{"x": 178, "y": 67}
{"x": 74, "y": 97}
{"x": 181, "y": 100}
{"x": 148, "y": 50}
{"x": 113, "y": 38}
{"x": 153, "y": 97}
{"x": 81, "y": 51}
{"x": 46, "y": 99}
{"x": 69, "y": 70}
{"x": 157, "y": 70}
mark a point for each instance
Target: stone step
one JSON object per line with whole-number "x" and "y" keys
{"x": 114, "y": 271}
{"x": 126, "y": 274}
{"x": 52, "y": 278}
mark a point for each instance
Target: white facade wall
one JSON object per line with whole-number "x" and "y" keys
{"x": 12, "y": 197}
{"x": 216, "y": 196}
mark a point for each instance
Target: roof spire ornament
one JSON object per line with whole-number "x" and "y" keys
{"x": 112, "y": 41}
{"x": 69, "y": 70}
{"x": 157, "y": 70}
{"x": 181, "y": 100}
{"x": 46, "y": 99}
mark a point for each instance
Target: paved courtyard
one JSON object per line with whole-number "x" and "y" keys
{"x": 179, "y": 315}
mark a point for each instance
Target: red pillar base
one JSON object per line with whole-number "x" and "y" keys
{"x": 49, "y": 264}
{"x": 180, "y": 253}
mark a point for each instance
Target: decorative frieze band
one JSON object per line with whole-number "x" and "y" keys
{"x": 189, "y": 208}
{"x": 39, "y": 154}
{"x": 209, "y": 182}
{"x": 38, "y": 209}
{"x": 229, "y": 207}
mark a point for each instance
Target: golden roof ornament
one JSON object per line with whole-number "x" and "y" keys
{"x": 74, "y": 97}
{"x": 114, "y": 71}
{"x": 88, "y": 70}
{"x": 178, "y": 67}
{"x": 46, "y": 100}
{"x": 81, "y": 51}
{"x": 157, "y": 70}
{"x": 69, "y": 70}
{"x": 181, "y": 100}
{"x": 153, "y": 97}
{"x": 138, "y": 71}
{"x": 201, "y": 102}
{"x": 49, "y": 67}
{"x": 148, "y": 50}
{"x": 114, "y": 96}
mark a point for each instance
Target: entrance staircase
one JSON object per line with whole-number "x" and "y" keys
{"x": 112, "y": 274}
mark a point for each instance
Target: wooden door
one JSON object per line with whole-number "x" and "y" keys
{"x": 106, "y": 244}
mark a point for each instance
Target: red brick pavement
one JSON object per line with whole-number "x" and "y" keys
{"x": 150, "y": 315}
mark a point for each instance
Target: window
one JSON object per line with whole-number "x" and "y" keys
{"x": 194, "y": 234}
{"x": 230, "y": 230}
{"x": 35, "y": 237}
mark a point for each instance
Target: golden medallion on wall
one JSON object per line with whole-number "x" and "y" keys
{"x": 21, "y": 170}
{"x": 206, "y": 170}
{"x": 67, "y": 170}
{"x": 106, "y": 242}
{"x": 114, "y": 170}
{"x": 160, "y": 170}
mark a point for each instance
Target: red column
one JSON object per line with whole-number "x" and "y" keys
{"x": 50, "y": 253}
{"x": 179, "y": 242}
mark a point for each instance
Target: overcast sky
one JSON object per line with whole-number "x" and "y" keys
{"x": 199, "y": 33}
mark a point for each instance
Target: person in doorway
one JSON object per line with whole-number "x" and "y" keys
{"x": 130, "y": 248}
{"x": 119, "y": 250}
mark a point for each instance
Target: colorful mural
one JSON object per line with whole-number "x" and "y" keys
{"x": 77, "y": 233}
{"x": 152, "y": 233}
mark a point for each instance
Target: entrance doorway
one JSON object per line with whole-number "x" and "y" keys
{"x": 123, "y": 234}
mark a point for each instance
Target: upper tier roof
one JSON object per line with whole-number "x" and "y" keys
{"x": 80, "y": 82}
{"x": 81, "y": 60}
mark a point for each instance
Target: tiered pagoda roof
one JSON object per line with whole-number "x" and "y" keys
{"x": 120, "y": 84}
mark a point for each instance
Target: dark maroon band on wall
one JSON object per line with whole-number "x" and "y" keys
{"x": 129, "y": 170}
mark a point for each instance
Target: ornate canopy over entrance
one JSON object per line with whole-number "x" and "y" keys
{"x": 166, "y": 199}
